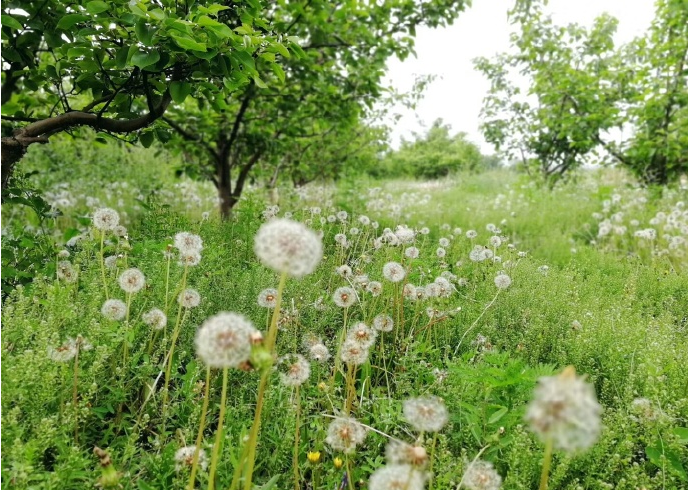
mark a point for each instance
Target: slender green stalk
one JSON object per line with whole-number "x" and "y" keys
{"x": 75, "y": 394}
{"x": 199, "y": 437}
{"x": 218, "y": 435}
{"x": 175, "y": 334}
{"x": 297, "y": 430}
{"x": 102, "y": 264}
{"x": 432, "y": 460}
{"x": 255, "y": 428}
{"x": 167, "y": 281}
{"x": 125, "y": 353}
{"x": 546, "y": 463}
{"x": 349, "y": 477}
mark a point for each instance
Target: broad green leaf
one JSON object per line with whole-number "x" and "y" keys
{"x": 179, "y": 91}
{"x": 188, "y": 43}
{"x": 212, "y": 9}
{"x": 146, "y": 138}
{"x": 144, "y": 32}
{"x": 279, "y": 47}
{"x": 682, "y": 433}
{"x": 11, "y": 22}
{"x": 70, "y": 20}
{"x": 279, "y": 71}
{"x": 97, "y": 7}
{"x": 495, "y": 417}
{"x": 259, "y": 83}
{"x": 143, "y": 59}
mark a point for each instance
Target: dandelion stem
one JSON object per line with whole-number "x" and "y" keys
{"x": 75, "y": 394}
{"x": 546, "y": 464}
{"x": 201, "y": 426}
{"x": 349, "y": 478}
{"x": 432, "y": 460}
{"x": 175, "y": 334}
{"x": 102, "y": 264}
{"x": 476, "y": 321}
{"x": 167, "y": 281}
{"x": 255, "y": 428}
{"x": 295, "y": 461}
{"x": 218, "y": 435}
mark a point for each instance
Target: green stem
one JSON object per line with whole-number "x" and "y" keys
{"x": 102, "y": 264}
{"x": 432, "y": 460}
{"x": 167, "y": 282}
{"x": 126, "y": 335}
{"x": 546, "y": 463}
{"x": 349, "y": 476}
{"x": 75, "y": 395}
{"x": 218, "y": 435}
{"x": 295, "y": 460}
{"x": 201, "y": 426}
{"x": 255, "y": 428}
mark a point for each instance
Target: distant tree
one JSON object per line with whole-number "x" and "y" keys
{"x": 432, "y": 155}
{"x": 314, "y": 103}
{"x": 581, "y": 88}
{"x": 118, "y": 65}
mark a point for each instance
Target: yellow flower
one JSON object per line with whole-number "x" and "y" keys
{"x": 314, "y": 456}
{"x": 338, "y": 463}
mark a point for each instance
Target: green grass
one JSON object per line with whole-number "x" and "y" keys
{"x": 614, "y": 312}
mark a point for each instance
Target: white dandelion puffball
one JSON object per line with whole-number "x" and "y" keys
{"x": 481, "y": 475}
{"x": 267, "y": 298}
{"x": 224, "y": 340}
{"x": 565, "y": 409}
{"x": 426, "y": 414}
{"x": 288, "y": 247}
{"x": 502, "y": 281}
{"x": 398, "y": 452}
{"x": 105, "y": 219}
{"x": 184, "y": 458}
{"x": 344, "y": 434}
{"x": 155, "y": 319}
{"x": 114, "y": 309}
{"x": 66, "y": 271}
{"x": 353, "y": 352}
{"x": 344, "y": 297}
{"x": 188, "y": 243}
{"x": 393, "y": 271}
{"x": 397, "y": 476}
{"x": 132, "y": 280}
{"x": 294, "y": 369}
{"x": 363, "y": 335}
{"x": 189, "y": 298}
{"x": 64, "y": 353}
{"x": 383, "y": 323}
{"x": 319, "y": 352}
{"x": 412, "y": 252}
{"x": 374, "y": 288}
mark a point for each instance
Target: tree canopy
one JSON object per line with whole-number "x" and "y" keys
{"x": 584, "y": 91}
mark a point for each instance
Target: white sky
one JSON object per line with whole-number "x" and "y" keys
{"x": 483, "y": 30}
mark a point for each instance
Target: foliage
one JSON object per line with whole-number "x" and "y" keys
{"x": 432, "y": 155}
{"x": 582, "y": 89}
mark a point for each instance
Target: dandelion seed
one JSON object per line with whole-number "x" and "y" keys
{"x": 114, "y": 309}
{"x": 294, "y": 369}
{"x": 426, "y": 414}
{"x": 319, "y": 352}
{"x": 374, "y": 288}
{"x": 342, "y": 216}
{"x": 353, "y": 353}
{"x": 189, "y": 259}
{"x": 155, "y": 319}
{"x": 120, "y": 231}
{"x": 289, "y": 247}
{"x": 344, "y": 271}
{"x": 404, "y": 234}
{"x": 471, "y": 234}
{"x": 364, "y": 220}
{"x": 412, "y": 252}
{"x": 184, "y": 458}
{"x": 363, "y": 335}
{"x": 440, "y": 252}
{"x": 344, "y": 297}
{"x": 344, "y": 434}
{"x": 397, "y": 477}
{"x": 425, "y": 230}
{"x": 481, "y": 475}
{"x": 105, "y": 219}
{"x": 502, "y": 281}
{"x": 565, "y": 410}
{"x": 393, "y": 272}
{"x": 64, "y": 353}
{"x": 397, "y": 452}
{"x": 224, "y": 340}
{"x": 444, "y": 242}
{"x": 189, "y": 298}
{"x": 188, "y": 243}
{"x": 267, "y": 298}
{"x": 132, "y": 280}
{"x": 383, "y": 323}
{"x": 66, "y": 271}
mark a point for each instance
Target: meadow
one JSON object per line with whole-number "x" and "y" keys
{"x": 474, "y": 332}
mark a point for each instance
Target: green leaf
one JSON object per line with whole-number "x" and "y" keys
{"x": 279, "y": 47}
{"x": 146, "y": 138}
{"x": 259, "y": 82}
{"x": 11, "y": 22}
{"x": 495, "y": 417}
{"x": 97, "y": 7}
{"x": 187, "y": 43}
{"x": 179, "y": 91}
{"x": 143, "y": 59}
{"x": 682, "y": 433}
{"x": 144, "y": 32}
{"x": 279, "y": 71}
{"x": 70, "y": 20}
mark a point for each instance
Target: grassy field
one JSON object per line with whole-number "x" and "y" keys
{"x": 512, "y": 284}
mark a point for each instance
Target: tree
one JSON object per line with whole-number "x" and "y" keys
{"x": 435, "y": 154}
{"x": 117, "y": 66}
{"x": 321, "y": 95}
{"x": 582, "y": 88}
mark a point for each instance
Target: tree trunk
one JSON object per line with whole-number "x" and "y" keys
{"x": 227, "y": 199}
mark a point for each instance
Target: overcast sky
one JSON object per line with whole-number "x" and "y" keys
{"x": 456, "y": 95}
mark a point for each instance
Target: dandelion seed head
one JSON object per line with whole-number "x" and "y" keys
{"x": 189, "y": 298}
{"x": 481, "y": 475}
{"x": 393, "y": 272}
{"x": 319, "y": 352}
{"x": 344, "y": 297}
{"x": 155, "y": 318}
{"x": 294, "y": 369}
{"x": 383, "y": 323}
{"x": 114, "y": 309}
{"x": 267, "y": 298}
{"x": 184, "y": 457}
{"x": 374, "y": 288}
{"x": 344, "y": 434}
{"x": 105, "y": 219}
{"x": 224, "y": 340}
{"x": 66, "y": 271}
{"x": 502, "y": 281}
{"x": 288, "y": 247}
{"x": 132, "y": 280}
{"x": 398, "y": 452}
{"x": 397, "y": 477}
{"x": 412, "y": 252}
{"x": 188, "y": 243}
{"x": 353, "y": 352}
{"x": 426, "y": 414}
{"x": 363, "y": 335}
